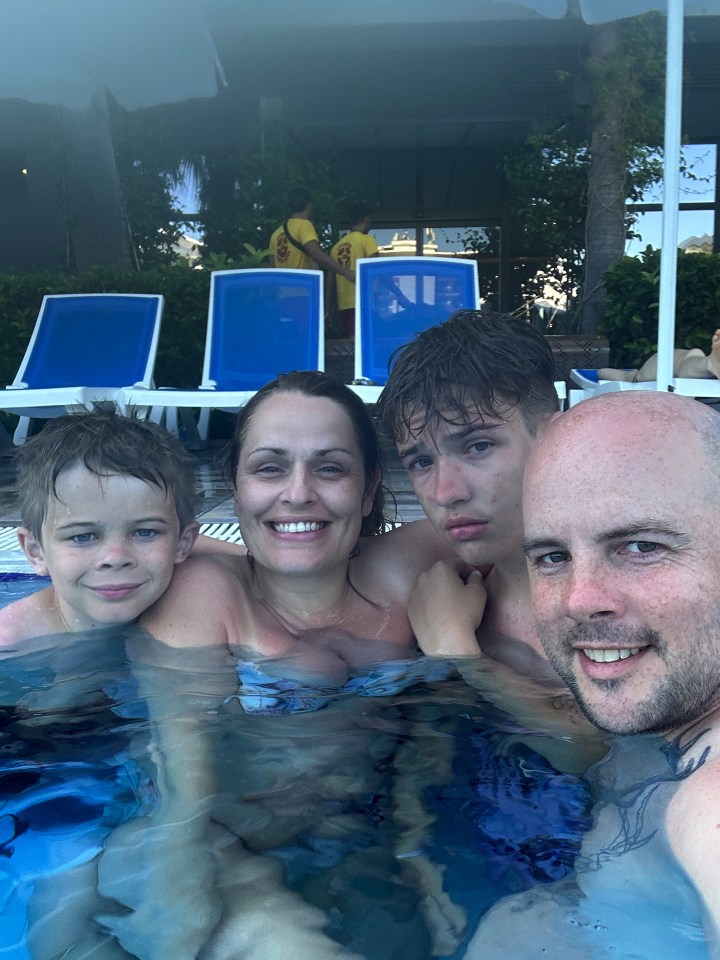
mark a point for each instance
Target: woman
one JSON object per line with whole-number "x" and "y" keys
{"x": 306, "y": 468}
{"x": 306, "y": 616}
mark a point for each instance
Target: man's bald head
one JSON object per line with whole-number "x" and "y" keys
{"x": 622, "y": 528}
{"x": 641, "y": 429}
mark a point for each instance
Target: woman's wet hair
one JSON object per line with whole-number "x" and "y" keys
{"x": 313, "y": 383}
{"x": 475, "y": 365}
{"x": 106, "y": 444}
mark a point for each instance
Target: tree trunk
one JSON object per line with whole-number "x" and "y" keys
{"x": 605, "y": 221}
{"x": 97, "y": 224}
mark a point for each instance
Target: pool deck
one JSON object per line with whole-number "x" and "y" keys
{"x": 216, "y": 514}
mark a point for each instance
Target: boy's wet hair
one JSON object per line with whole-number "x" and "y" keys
{"x": 313, "y": 383}
{"x": 475, "y": 365}
{"x": 106, "y": 444}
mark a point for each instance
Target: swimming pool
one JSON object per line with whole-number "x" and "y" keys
{"x": 398, "y": 824}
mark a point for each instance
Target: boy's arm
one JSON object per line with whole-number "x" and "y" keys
{"x": 316, "y": 253}
{"x": 446, "y": 608}
{"x": 162, "y": 866}
{"x": 194, "y": 610}
{"x": 416, "y": 769}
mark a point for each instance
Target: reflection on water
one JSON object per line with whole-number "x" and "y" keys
{"x": 147, "y": 813}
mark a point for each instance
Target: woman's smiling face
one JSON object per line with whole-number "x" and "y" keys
{"x": 300, "y": 487}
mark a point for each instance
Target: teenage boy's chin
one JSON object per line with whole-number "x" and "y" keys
{"x": 475, "y": 554}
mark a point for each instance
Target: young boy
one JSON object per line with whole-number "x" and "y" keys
{"x": 107, "y": 506}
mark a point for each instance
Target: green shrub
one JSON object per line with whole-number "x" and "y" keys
{"x": 631, "y": 314}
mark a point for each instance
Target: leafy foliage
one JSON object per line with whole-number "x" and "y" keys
{"x": 149, "y": 168}
{"x": 548, "y": 178}
{"x": 252, "y": 258}
{"x": 633, "y": 79}
{"x": 631, "y": 315}
{"x": 243, "y": 194}
{"x": 548, "y": 183}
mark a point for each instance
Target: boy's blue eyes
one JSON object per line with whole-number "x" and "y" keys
{"x": 142, "y": 533}
{"x": 419, "y": 463}
{"x": 82, "y": 537}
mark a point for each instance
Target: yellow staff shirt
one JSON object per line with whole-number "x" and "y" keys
{"x": 286, "y": 255}
{"x": 346, "y": 252}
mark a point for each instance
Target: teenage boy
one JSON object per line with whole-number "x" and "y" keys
{"x": 107, "y": 505}
{"x": 465, "y": 403}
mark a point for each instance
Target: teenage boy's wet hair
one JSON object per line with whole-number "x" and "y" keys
{"x": 476, "y": 365}
{"x": 106, "y": 444}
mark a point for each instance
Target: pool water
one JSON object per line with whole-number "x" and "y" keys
{"x": 425, "y": 821}
{"x": 15, "y": 586}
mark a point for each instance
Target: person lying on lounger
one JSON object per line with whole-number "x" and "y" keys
{"x": 692, "y": 364}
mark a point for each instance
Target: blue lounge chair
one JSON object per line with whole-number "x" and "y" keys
{"x": 260, "y": 323}
{"x": 590, "y": 386}
{"x": 84, "y": 347}
{"x": 396, "y": 298}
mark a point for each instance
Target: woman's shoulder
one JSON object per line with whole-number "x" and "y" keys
{"x": 398, "y": 557}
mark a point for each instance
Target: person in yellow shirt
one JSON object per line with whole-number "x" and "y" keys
{"x": 355, "y": 245}
{"x": 294, "y": 245}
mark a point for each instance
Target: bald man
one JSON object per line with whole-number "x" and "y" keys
{"x": 622, "y": 536}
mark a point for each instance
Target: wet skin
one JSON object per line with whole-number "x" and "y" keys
{"x": 110, "y": 545}
{"x": 468, "y": 479}
{"x": 301, "y": 490}
{"x": 622, "y": 532}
